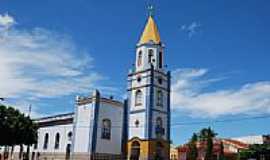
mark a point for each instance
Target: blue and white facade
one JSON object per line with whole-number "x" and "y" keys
{"x": 98, "y": 126}
{"x": 95, "y": 130}
{"x": 149, "y": 94}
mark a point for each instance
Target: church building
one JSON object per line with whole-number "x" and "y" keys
{"x": 149, "y": 99}
{"x": 137, "y": 128}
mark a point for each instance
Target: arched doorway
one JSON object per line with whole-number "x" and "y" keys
{"x": 159, "y": 151}
{"x": 135, "y": 151}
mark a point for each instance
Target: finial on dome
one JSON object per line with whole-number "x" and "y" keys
{"x": 150, "y": 8}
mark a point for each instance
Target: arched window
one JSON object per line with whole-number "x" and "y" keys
{"x": 139, "y": 62}
{"x": 57, "y": 141}
{"x": 159, "y": 98}
{"x": 138, "y": 98}
{"x": 150, "y": 55}
{"x": 159, "y": 127}
{"x": 69, "y": 136}
{"x": 46, "y": 141}
{"x": 106, "y": 129}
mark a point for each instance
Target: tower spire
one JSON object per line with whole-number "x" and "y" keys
{"x": 150, "y": 32}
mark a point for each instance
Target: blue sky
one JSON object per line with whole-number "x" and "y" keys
{"x": 218, "y": 52}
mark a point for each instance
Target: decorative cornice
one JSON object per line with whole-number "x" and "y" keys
{"x": 146, "y": 70}
{"x": 89, "y": 100}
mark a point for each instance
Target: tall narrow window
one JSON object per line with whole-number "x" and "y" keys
{"x": 57, "y": 141}
{"x": 138, "y": 98}
{"x": 139, "y": 62}
{"x": 150, "y": 55}
{"x": 106, "y": 129}
{"x": 159, "y": 127}
{"x": 159, "y": 122}
{"x": 159, "y": 98}
{"x": 46, "y": 141}
{"x": 160, "y": 59}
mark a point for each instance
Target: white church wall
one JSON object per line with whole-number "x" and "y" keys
{"x": 83, "y": 123}
{"x": 115, "y": 114}
{"x": 137, "y": 131}
{"x": 63, "y": 130}
{"x": 145, "y": 79}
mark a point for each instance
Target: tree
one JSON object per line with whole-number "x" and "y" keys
{"x": 209, "y": 149}
{"x": 192, "y": 148}
{"x": 16, "y": 128}
{"x": 206, "y": 135}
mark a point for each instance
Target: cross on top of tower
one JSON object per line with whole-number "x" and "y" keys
{"x": 150, "y": 10}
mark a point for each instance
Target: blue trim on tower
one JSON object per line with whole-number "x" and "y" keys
{"x": 147, "y": 94}
{"x": 125, "y": 127}
{"x": 150, "y": 113}
{"x": 169, "y": 107}
{"x": 128, "y": 112}
{"x": 159, "y": 111}
{"x": 137, "y": 111}
{"x": 95, "y": 126}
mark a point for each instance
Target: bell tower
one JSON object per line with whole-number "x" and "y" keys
{"x": 149, "y": 99}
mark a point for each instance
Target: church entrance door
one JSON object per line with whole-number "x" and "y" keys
{"x": 135, "y": 151}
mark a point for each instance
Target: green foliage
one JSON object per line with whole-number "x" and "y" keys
{"x": 206, "y": 133}
{"x": 209, "y": 149}
{"x": 16, "y": 128}
{"x": 205, "y": 136}
{"x": 255, "y": 151}
{"x": 192, "y": 148}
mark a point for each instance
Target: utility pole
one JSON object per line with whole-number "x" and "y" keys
{"x": 30, "y": 109}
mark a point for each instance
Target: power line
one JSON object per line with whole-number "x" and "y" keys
{"x": 221, "y": 121}
{"x": 185, "y": 123}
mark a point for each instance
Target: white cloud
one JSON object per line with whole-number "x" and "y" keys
{"x": 191, "y": 29}
{"x": 188, "y": 93}
{"x": 6, "y": 21}
{"x": 39, "y": 63}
